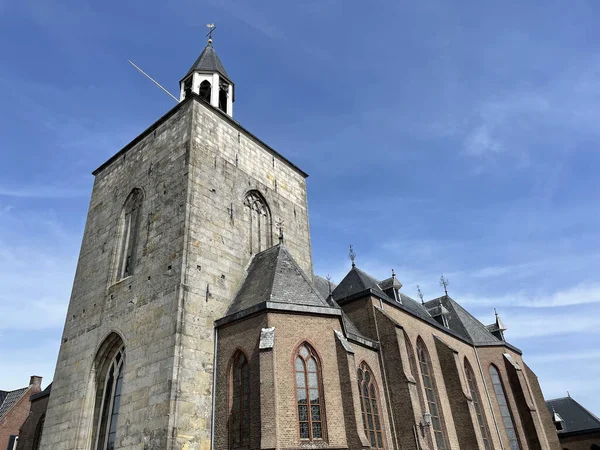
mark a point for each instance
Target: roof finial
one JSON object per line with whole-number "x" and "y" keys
{"x": 328, "y": 278}
{"x": 212, "y": 28}
{"x": 420, "y": 294}
{"x": 568, "y": 394}
{"x": 444, "y": 283}
{"x": 496, "y": 313}
{"x": 279, "y": 226}
{"x": 352, "y": 255}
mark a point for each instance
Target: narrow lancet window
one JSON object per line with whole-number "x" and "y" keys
{"x": 477, "y": 404}
{"x": 239, "y": 422}
{"x": 309, "y": 394}
{"x": 505, "y": 412}
{"x": 369, "y": 404}
{"x": 205, "y": 91}
{"x": 259, "y": 222}
{"x": 109, "y": 387}
{"x": 431, "y": 395}
{"x": 129, "y": 228}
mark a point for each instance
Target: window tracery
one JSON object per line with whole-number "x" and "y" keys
{"x": 477, "y": 404}
{"x": 129, "y": 229}
{"x": 309, "y": 394}
{"x": 505, "y": 411}
{"x": 369, "y": 404}
{"x": 108, "y": 394}
{"x": 259, "y": 221}
{"x": 431, "y": 395}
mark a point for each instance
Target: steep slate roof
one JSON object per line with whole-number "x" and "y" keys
{"x": 577, "y": 418}
{"x": 463, "y": 323}
{"x": 274, "y": 276}
{"x": 208, "y": 61}
{"x": 3, "y": 395}
{"x": 355, "y": 282}
{"x": 11, "y": 398}
{"x": 322, "y": 285}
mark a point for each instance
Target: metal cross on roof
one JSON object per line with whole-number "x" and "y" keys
{"x": 420, "y": 294}
{"x": 279, "y": 225}
{"x": 352, "y": 255}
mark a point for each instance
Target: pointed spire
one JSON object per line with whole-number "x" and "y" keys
{"x": 499, "y": 323}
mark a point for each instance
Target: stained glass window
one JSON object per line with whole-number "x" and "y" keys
{"x": 431, "y": 395}
{"x": 239, "y": 425}
{"x": 311, "y": 422}
{"x": 370, "y": 406}
{"x": 477, "y": 404}
{"x": 509, "y": 425}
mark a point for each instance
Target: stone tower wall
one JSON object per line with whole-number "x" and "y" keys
{"x": 142, "y": 308}
{"x": 225, "y": 163}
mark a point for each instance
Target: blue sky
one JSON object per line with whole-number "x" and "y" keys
{"x": 440, "y": 137}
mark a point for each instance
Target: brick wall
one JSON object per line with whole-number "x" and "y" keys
{"x": 31, "y": 430}
{"x": 12, "y": 421}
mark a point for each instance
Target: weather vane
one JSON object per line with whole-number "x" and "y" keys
{"x": 352, "y": 255}
{"x": 420, "y": 294}
{"x": 444, "y": 283}
{"x": 212, "y": 28}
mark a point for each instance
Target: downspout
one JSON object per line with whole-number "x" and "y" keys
{"x": 487, "y": 394}
{"x": 416, "y": 437}
{"x": 214, "y": 380}
{"x": 385, "y": 383}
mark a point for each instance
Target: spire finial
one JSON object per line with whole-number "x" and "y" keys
{"x": 444, "y": 283}
{"x": 279, "y": 226}
{"x": 393, "y": 274}
{"x": 328, "y": 278}
{"x": 212, "y": 28}
{"x": 568, "y": 394}
{"x": 420, "y": 294}
{"x": 352, "y": 255}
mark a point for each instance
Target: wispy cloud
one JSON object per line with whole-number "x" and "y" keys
{"x": 41, "y": 192}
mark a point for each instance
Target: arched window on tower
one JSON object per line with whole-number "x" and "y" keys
{"x": 431, "y": 394}
{"x": 477, "y": 404}
{"x": 205, "y": 89}
{"x": 309, "y": 394}
{"x": 259, "y": 220}
{"x": 128, "y": 234}
{"x": 239, "y": 419}
{"x": 505, "y": 412}
{"x": 223, "y": 95}
{"x": 369, "y": 405}
{"x": 109, "y": 369}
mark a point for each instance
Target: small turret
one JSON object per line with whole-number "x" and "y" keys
{"x": 208, "y": 79}
{"x": 497, "y": 328}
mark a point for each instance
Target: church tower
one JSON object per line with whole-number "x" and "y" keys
{"x": 174, "y": 219}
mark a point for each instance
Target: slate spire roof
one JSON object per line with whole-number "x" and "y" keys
{"x": 576, "y": 418}
{"x": 356, "y": 282}
{"x": 208, "y": 61}
{"x": 274, "y": 276}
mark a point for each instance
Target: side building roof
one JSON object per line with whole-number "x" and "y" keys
{"x": 577, "y": 419}
{"x": 10, "y": 399}
{"x": 461, "y": 324}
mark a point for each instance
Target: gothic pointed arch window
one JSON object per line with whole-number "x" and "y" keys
{"x": 37, "y": 436}
{"x": 205, "y": 91}
{"x": 505, "y": 412}
{"x": 109, "y": 371}
{"x": 431, "y": 394}
{"x": 129, "y": 225}
{"x": 239, "y": 417}
{"x": 483, "y": 428}
{"x": 259, "y": 222}
{"x": 309, "y": 394}
{"x": 369, "y": 405}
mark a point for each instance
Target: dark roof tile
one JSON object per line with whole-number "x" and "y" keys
{"x": 576, "y": 417}
{"x": 208, "y": 61}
